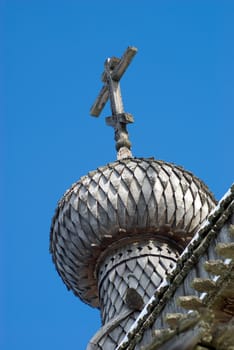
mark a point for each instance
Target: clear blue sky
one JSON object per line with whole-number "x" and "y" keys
{"x": 179, "y": 88}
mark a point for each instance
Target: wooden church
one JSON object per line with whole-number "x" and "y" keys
{"x": 145, "y": 241}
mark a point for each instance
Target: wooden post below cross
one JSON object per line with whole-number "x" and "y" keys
{"x": 114, "y": 70}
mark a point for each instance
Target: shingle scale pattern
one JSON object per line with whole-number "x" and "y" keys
{"x": 141, "y": 266}
{"x": 135, "y": 196}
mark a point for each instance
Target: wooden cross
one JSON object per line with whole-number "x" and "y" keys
{"x": 114, "y": 70}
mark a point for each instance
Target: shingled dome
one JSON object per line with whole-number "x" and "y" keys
{"x": 119, "y": 203}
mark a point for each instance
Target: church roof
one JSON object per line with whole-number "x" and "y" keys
{"x": 196, "y": 302}
{"x": 143, "y": 233}
{"x": 119, "y": 202}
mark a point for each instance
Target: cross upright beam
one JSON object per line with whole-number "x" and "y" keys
{"x": 117, "y": 68}
{"x": 114, "y": 70}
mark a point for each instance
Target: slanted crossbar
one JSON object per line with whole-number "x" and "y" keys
{"x": 114, "y": 70}
{"x": 117, "y": 68}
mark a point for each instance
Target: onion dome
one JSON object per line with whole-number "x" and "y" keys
{"x": 119, "y": 230}
{"x": 119, "y": 203}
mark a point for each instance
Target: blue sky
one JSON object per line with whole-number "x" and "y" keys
{"x": 179, "y": 88}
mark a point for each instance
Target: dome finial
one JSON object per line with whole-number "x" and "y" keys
{"x": 114, "y": 69}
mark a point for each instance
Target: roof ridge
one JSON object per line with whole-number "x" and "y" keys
{"x": 205, "y": 233}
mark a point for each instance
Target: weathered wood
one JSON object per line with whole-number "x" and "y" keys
{"x": 224, "y": 336}
{"x": 202, "y": 248}
{"x": 114, "y": 92}
{"x": 231, "y": 230}
{"x": 226, "y": 250}
{"x": 122, "y": 64}
{"x": 117, "y": 68}
{"x": 203, "y": 284}
{"x": 107, "y": 328}
{"x": 173, "y": 319}
{"x": 190, "y": 302}
{"x": 114, "y": 69}
{"x": 216, "y": 267}
{"x": 185, "y": 335}
{"x": 100, "y": 102}
{"x": 122, "y": 117}
{"x": 128, "y": 278}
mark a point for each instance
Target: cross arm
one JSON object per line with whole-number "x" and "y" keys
{"x": 100, "y": 102}
{"x": 118, "y": 68}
